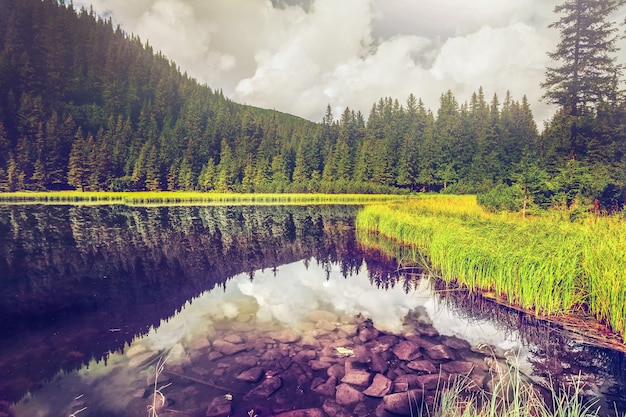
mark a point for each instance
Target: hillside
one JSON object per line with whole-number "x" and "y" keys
{"x": 84, "y": 105}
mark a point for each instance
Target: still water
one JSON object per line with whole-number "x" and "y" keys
{"x": 247, "y": 311}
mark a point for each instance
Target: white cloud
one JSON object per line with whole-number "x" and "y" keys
{"x": 298, "y": 56}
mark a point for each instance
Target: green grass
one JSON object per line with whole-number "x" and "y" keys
{"x": 187, "y": 198}
{"x": 546, "y": 264}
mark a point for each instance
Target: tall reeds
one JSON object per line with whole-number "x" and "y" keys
{"x": 546, "y": 264}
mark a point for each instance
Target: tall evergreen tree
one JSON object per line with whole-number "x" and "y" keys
{"x": 585, "y": 67}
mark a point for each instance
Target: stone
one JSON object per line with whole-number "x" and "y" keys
{"x": 305, "y": 356}
{"x": 305, "y": 412}
{"x": 405, "y": 403}
{"x": 325, "y": 325}
{"x": 361, "y": 354}
{"x": 347, "y": 395}
{"x": 351, "y": 330}
{"x": 431, "y": 381}
{"x": 219, "y": 407}
{"x": 319, "y": 365}
{"x": 333, "y": 409}
{"x": 422, "y": 366}
{"x": 406, "y": 350}
{"x": 319, "y": 315}
{"x": 327, "y": 388}
{"x": 383, "y": 343}
{"x": 228, "y": 348}
{"x": 141, "y": 359}
{"x": 337, "y": 371}
{"x": 381, "y": 386}
{"x": 265, "y": 388}
{"x": 233, "y": 338}
{"x": 357, "y": 377}
{"x": 454, "y": 342}
{"x": 458, "y": 367}
{"x": 212, "y": 356}
{"x": 439, "y": 352}
{"x": 309, "y": 341}
{"x": 285, "y": 336}
{"x": 378, "y": 363}
{"x": 200, "y": 343}
{"x": 368, "y": 333}
{"x": 251, "y": 375}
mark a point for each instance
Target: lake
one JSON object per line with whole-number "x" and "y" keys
{"x": 244, "y": 310}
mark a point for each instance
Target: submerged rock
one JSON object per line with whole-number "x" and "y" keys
{"x": 305, "y": 412}
{"x": 228, "y": 348}
{"x": 405, "y": 403}
{"x": 333, "y": 409}
{"x": 347, "y": 395}
{"x": 220, "y": 407}
{"x": 252, "y": 374}
{"x": 265, "y": 388}
{"x": 357, "y": 377}
{"x": 381, "y": 386}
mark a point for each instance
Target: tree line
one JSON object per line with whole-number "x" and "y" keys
{"x": 84, "y": 105}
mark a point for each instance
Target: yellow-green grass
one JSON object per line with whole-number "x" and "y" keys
{"x": 187, "y": 198}
{"x": 544, "y": 263}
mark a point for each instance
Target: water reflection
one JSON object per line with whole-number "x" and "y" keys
{"x": 113, "y": 287}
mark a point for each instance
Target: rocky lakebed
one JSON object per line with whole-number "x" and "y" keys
{"x": 328, "y": 366}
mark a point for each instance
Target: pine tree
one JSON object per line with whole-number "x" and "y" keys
{"x": 585, "y": 61}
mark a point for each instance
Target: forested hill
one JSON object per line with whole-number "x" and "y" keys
{"x": 84, "y": 105}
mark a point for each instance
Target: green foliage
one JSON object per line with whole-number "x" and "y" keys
{"x": 545, "y": 263}
{"x": 71, "y": 117}
{"x": 502, "y": 197}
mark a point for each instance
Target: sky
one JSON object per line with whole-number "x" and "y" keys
{"x": 298, "y": 56}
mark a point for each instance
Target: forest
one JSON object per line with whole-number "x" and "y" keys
{"x": 87, "y": 106}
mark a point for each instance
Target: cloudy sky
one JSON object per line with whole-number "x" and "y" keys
{"x": 297, "y": 56}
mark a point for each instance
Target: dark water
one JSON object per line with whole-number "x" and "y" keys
{"x": 241, "y": 299}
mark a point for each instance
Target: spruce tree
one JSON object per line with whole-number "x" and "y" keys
{"x": 585, "y": 67}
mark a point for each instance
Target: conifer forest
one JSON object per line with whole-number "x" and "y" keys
{"x": 87, "y": 106}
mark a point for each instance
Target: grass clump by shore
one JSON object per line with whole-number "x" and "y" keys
{"x": 146, "y": 198}
{"x": 546, "y": 263}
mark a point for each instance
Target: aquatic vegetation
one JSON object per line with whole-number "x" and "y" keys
{"x": 146, "y": 198}
{"x": 547, "y": 264}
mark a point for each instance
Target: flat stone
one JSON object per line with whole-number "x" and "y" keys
{"x": 327, "y": 388}
{"x": 219, "y": 407}
{"x": 333, "y": 409}
{"x": 381, "y": 386}
{"x": 214, "y": 356}
{"x": 309, "y": 342}
{"x": 285, "y": 336}
{"x": 319, "y": 315}
{"x": 319, "y": 365}
{"x": 325, "y": 325}
{"x": 458, "y": 367}
{"x": 347, "y": 395}
{"x": 431, "y": 381}
{"x": 251, "y": 375}
{"x": 305, "y": 412}
{"x": 439, "y": 352}
{"x": 454, "y": 342}
{"x": 351, "y": 330}
{"x": 305, "y": 356}
{"x": 228, "y": 348}
{"x": 265, "y": 388}
{"x": 233, "y": 338}
{"x": 406, "y": 350}
{"x": 405, "y": 403}
{"x": 357, "y": 377}
{"x": 142, "y": 359}
{"x": 422, "y": 366}
{"x": 383, "y": 343}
